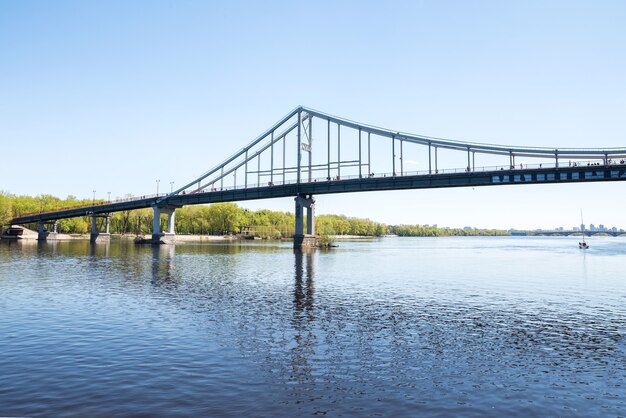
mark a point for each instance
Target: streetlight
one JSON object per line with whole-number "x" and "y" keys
{"x": 171, "y": 186}
{"x": 93, "y": 201}
{"x": 157, "y": 182}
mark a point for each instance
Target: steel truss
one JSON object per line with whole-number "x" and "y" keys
{"x": 276, "y": 156}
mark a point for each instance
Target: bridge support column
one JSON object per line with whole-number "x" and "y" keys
{"x": 170, "y": 221}
{"x": 301, "y": 239}
{"x": 169, "y": 236}
{"x": 156, "y": 224}
{"x": 44, "y": 233}
{"x": 96, "y": 236}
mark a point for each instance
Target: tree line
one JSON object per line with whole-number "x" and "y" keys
{"x": 215, "y": 219}
{"x": 433, "y": 231}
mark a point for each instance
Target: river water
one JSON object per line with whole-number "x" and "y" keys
{"x": 492, "y": 326}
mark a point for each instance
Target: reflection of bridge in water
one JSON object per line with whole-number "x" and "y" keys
{"x": 346, "y": 156}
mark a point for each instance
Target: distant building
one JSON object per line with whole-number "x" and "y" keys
{"x": 576, "y": 229}
{"x": 592, "y": 227}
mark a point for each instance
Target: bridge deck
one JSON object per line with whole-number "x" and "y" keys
{"x": 499, "y": 177}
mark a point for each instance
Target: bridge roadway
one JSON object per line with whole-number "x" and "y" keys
{"x": 497, "y": 177}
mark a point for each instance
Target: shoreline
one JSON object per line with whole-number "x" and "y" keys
{"x": 230, "y": 238}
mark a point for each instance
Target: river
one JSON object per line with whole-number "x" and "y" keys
{"x": 434, "y": 327}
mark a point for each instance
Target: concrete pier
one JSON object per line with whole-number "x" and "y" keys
{"x": 304, "y": 241}
{"x": 47, "y": 231}
{"x": 300, "y": 239}
{"x": 96, "y": 236}
{"x": 169, "y": 235}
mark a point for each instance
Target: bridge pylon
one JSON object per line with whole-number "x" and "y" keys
{"x": 300, "y": 239}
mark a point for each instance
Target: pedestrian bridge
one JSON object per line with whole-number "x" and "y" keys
{"x": 310, "y": 153}
{"x": 588, "y": 233}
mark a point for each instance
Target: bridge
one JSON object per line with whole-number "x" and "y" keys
{"x": 586, "y": 232}
{"x": 309, "y": 153}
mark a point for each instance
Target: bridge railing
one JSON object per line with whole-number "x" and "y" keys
{"x": 96, "y": 203}
{"x": 483, "y": 169}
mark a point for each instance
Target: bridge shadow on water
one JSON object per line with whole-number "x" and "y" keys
{"x": 163, "y": 257}
{"x": 303, "y": 315}
{"x": 294, "y": 354}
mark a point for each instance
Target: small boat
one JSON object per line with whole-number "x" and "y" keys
{"x": 582, "y": 244}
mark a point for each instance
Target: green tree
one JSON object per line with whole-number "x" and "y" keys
{"x": 6, "y": 211}
{"x": 326, "y": 235}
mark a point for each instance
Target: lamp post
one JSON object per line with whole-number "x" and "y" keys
{"x": 171, "y": 186}
{"x": 157, "y": 182}
{"x": 109, "y": 193}
{"x": 93, "y": 200}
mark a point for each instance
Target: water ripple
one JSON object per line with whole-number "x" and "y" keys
{"x": 398, "y": 327}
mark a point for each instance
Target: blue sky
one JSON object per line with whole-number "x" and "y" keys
{"x": 114, "y": 95}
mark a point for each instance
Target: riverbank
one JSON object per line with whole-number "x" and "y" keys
{"x": 353, "y": 237}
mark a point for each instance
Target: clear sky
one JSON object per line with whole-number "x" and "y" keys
{"x": 112, "y": 95}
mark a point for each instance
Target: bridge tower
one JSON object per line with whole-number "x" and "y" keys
{"x": 301, "y": 239}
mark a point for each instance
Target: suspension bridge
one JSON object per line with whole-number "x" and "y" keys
{"x": 309, "y": 153}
